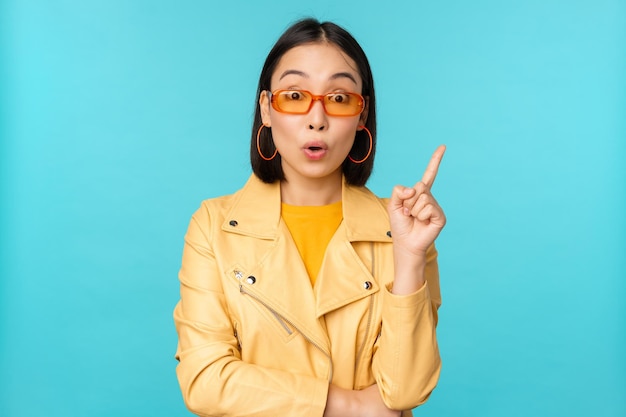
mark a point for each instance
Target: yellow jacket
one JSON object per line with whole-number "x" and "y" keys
{"x": 256, "y": 340}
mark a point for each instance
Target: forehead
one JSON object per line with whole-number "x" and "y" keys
{"x": 316, "y": 63}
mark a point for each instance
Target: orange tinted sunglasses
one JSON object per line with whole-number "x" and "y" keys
{"x": 301, "y": 102}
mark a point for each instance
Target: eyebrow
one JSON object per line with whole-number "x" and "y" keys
{"x": 305, "y": 75}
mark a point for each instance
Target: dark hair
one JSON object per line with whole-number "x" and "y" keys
{"x": 312, "y": 31}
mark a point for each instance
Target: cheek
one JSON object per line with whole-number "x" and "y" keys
{"x": 283, "y": 124}
{"x": 283, "y": 130}
{"x": 347, "y": 131}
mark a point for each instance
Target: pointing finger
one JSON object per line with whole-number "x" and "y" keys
{"x": 433, "y": 166}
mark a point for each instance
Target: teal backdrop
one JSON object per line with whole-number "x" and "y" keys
{"x": 118, "y": 118}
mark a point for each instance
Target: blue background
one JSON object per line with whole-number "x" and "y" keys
{"x": 118, "y": 117}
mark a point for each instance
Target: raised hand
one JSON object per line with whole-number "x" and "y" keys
{"x": 416, "y": 220}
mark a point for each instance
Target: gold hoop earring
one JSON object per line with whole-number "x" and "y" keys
{"x": 368, "y": 152}
{"x": 258, "y": 145}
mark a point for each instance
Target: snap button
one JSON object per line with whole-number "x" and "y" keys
{"x": 367, "y": 285}
{"x": 251, "y": 280}
{"x": 238, "y": 274}
{"x": 389, "y": 233}
{"x": 233, "y": 223}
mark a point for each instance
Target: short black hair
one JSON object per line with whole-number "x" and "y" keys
{"x": 311, "y": 31}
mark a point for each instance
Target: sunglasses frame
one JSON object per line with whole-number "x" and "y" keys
{"x": 274, "y": 94}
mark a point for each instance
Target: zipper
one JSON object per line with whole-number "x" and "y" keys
{"x": 369, "y": 318}
{"x": 365, "y": 337}
{"x": 285, "y": 321}
{"x": 237, "y": 337}
{"x": 282, "y": 322}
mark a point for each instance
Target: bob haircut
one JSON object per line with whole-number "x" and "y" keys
{"x": 308, "y": 31}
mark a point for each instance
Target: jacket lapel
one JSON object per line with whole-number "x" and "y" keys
{"x": 346, "y": 276}
{"x": 281, "y": 282}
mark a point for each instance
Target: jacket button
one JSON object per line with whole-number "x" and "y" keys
{"x": 367, "y": 285}
{"x": 251, "y": 280}
{"x": 389, "y": 233}
{"x": 233, "y": 223}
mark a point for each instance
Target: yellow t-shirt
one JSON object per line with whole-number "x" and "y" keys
{"x": 312, "y": 227}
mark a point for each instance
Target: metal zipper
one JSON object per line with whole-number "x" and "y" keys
{"x": 282, "y": 323}
{"x": 367, "y": 332}
{"x": 275, "y": 313}
{"x": 369, "y": 316}
{"x": 238, "y": 339}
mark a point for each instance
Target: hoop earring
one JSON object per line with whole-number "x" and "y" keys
{"x": 258, "y": 145}
{"x": 368, "y": 152}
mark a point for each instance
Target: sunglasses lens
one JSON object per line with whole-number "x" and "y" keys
{"x": 292, "y": 101}
{"x": 343, "y": 104}
{"x": 335, "y": 104}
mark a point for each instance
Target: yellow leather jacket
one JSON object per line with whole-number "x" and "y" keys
{"x": 256, "y": 340}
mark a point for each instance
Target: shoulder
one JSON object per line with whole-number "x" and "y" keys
{"x": 362, "y": 199}
{"x": 254, "y": 209}
{"x": 365, "y": 215}
{"x": 215, "y": 209}
{"x": 218, "y": 204}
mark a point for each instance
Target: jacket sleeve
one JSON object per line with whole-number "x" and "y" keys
{"x": 213, "y": 378}
{"x": 406, "y": 362}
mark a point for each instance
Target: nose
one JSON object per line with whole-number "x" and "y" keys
{"x": 317, "y": 115}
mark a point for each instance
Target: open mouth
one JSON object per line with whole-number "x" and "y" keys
{"x": 315, "y": 150}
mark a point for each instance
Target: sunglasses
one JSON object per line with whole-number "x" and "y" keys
{"x": 301, "y": 102}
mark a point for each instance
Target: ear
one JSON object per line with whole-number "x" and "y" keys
{"x": 264, "y": 107}
{"x": 363, "y": 116}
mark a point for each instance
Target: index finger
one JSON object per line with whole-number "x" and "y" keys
{"x": 433, "y": 166}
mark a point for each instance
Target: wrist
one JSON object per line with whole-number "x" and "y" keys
{"x": 408, "y": 274}
{"x": 341, "y": 402}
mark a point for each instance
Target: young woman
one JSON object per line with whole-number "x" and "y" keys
{"x": 303, "y": 294}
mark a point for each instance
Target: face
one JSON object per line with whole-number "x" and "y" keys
{"x": 313, "y": 145}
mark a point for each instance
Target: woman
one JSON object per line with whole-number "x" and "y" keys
{"x": 295, "y": 298}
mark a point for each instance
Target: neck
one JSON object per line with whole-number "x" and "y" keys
{"x": 311, "y": 191}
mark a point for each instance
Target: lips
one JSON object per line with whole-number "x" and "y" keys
{"x": 315, "y": 150}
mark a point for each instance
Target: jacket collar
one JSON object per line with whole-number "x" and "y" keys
{"x": 256, "y": 210}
